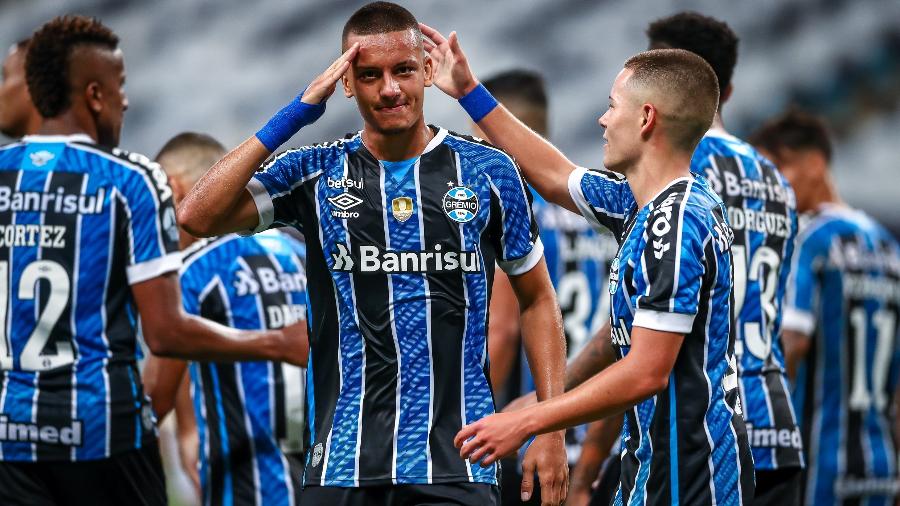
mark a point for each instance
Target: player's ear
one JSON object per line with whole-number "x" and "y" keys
{"x": 428, "y": 66}
{"x": 93, "y": 97}
{"x": 649, "y": 118}
{"x": 345, "y": 82}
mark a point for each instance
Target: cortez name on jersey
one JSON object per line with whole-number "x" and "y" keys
{"x": 762, "y": 213}
{"x": 400, "y": 259}
{"x": 844, "y": 293}
{"x": 78, "y": 225}
{"x": 687, "y": 444}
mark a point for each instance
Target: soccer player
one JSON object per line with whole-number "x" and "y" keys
{"x": 18, "y": 116}
{"x": 840, "y": 322}
{"x": 89, "y": 246}
{"x": 684, "y": 437}
{"x": 577, "y": 258}
{"x": 403, "y": 223}
{"x": 762, "y": 213}
{"x": 250, "y": 415}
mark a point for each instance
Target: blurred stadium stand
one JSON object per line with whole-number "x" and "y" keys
{"x": 224, "y": 66}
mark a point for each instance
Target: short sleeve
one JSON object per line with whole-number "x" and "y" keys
{"x": 277, "y": 188}
{"x": 803, "y": 284}
{"x": 518, "y": 243}
{"x": 671, "y": 267}
{"x": 603, "y": 197}
{"x": 152, "y": 231}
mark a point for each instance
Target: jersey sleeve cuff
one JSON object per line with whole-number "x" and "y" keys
{"x": 577, "y": 194}
{"x": 153, "y": 268}
{"x": 663, "y": 321}
{"x": 264, "y": 206}
{"x": 524, "y": 264}
{"x": 798, "y": 320}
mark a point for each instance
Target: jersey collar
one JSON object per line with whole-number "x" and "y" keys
{"x": 59, "y": 138}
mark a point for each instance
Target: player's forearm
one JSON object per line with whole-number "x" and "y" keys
{"x": 161, "y": 378}
{"x": 612, "y": 391}
{"x": 597, "y": 355}
{"x": 194, "y": 338}
{"x": 208, "y": 208}
{"x": 544, "y": 166}
{"x": 545, "y": 345}
{"x": 796, "y": 346}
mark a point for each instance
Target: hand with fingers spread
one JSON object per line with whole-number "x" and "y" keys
{"x": 491, "y": 438}
{"x": 452, "y": 74}
{"x": 547, "y": 456}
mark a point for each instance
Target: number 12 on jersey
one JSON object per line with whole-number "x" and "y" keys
{"x": 31, "y": 358}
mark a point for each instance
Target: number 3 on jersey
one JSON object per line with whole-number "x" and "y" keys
{"x": 763, "y": 269}
{"x": 31, "y": 358}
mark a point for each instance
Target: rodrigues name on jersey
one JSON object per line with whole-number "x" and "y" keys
{"x": 250, "y": 415}
{"x": 673, "y": 273}
{"x": 762, "y": 212}
{"x": 79, "y": 224}
{"x": 400, "y": 263}
{"x": 844, "y": 293}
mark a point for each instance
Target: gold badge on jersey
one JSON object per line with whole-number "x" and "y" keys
{"x": 402, "y": 208}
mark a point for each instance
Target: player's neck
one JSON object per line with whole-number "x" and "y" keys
{"x": 655, "y": 171}
{"x": 185, "y": 239}
{"x": 68, "y": 123}
{"x": 398, "y": 146}
{"x": 718, "y": 125}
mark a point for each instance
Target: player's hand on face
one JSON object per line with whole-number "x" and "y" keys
{"x": 452, "y": 74}
{"x": 522, "y": 402}
{"x": 490, "y": 439}
{"x": 324, "y": 84}
{"x": 547, "y": 457}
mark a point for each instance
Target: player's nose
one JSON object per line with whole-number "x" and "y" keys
{"x": 391, "y": 87}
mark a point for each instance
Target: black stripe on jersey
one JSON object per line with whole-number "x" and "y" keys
{"x": 279, "y": 408}
{"x": 216, "y": 485}
{"x": 324, "y": 322}
{"x": 54, "y": 403}
{"x": 448, "y": 307}
{"x": 854, "y": 459}
{"x": 123, "y": 425}
{"x": 241, "y": 447}
{"x": 119, "y": 331}
{"x": 660, "y": 256}
{"x": 374, "y": 313}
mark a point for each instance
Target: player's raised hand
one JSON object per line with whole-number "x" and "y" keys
{"x": 324, "y": 84}
{"x": 452, "y": 74}
{"x": 491, "y": 438}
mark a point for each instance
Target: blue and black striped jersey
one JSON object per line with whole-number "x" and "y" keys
{"x": 687, "y": 444}
{"x": 578, "y": 259}
{"x": 79, "y": 224}
{"x": 400, "y": 259}
{"x": 249, "y": 414}
{"x": 762, "y": 212}
{"x": 844, "y": 293}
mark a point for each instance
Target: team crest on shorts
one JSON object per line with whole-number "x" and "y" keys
{"x": 461, "y": 204}
{"x": 614, "y": 276}
{"x": 317, "y": 455}
{"x": 402, "y": 208}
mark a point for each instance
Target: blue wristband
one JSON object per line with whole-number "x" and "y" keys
{"x": 288, "y": 121}
{"x": 478, "y": 103}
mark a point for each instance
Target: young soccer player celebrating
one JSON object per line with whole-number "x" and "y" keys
{"x": 403, "y": 222}
{"x": 684, "y": 437}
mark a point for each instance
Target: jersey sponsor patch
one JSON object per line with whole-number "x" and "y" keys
{"x": 402, "y": 208}
{"x": 373, "y": 259}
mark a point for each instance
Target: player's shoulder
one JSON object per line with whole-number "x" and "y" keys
{"x": 122, "y": 163}
{"x": 689, "y": 202}
{"x": 723, "y": 144}
{"x": 476, "y": 150}
{"x": 211, "y": 249}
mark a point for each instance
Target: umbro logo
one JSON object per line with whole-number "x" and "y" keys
{"x": 344, "y": 202}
